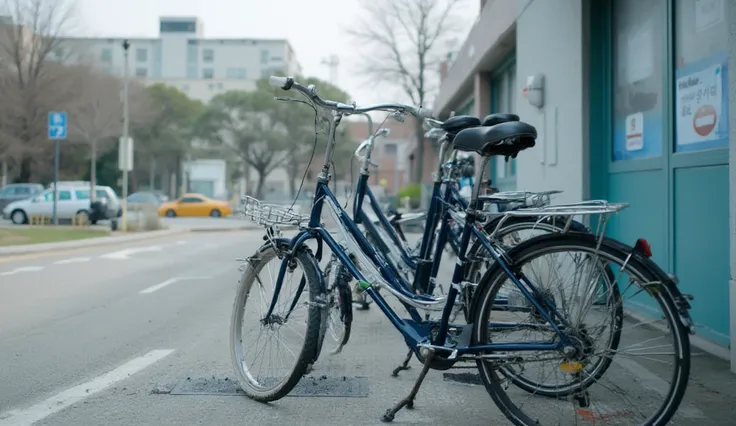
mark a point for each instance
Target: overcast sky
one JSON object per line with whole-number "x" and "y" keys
{"x": 315, "y": 28}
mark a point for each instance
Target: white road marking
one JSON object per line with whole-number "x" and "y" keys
{"x": 180, "y": 243}
{"x": 651, "y": 381}
{"x": 21, "y": 269}
{"x": 58, "y": 402}
{"x": 169, "y": 282}
{"x": 124, "y": 254}
{"x": 72, "y": 260}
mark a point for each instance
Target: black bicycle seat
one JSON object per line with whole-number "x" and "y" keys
{"x": 498, "y": 118}
{"x": 506, "y": 139}
{"x": 460, "y": 122}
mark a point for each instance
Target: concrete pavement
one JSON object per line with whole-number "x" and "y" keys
{"x": 99, "y": 337}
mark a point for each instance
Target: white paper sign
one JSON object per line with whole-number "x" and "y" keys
{"x": 708, "y": 13}
{"x": 635, "y": 132}
{"x": 699, "y": 100}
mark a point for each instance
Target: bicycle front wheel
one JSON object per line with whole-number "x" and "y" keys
{"x": 623, "y": 371}
{"x": 270, "y": 353}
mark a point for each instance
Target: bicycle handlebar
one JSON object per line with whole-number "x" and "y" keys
{"x": 288, "y": 83}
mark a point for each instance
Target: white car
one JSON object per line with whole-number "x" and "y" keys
{"x": 71, "y": 201}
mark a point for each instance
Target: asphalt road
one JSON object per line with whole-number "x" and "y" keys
{"x": 100, "y": 336}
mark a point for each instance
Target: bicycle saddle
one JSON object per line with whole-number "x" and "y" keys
{"x": 506, "y": 139}
{"x": 493, "y": 119}
{"x": 460, "y": 122}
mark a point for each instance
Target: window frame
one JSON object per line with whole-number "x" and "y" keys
{"x": 208, "y": 55}
{"x": 504, "y": 76}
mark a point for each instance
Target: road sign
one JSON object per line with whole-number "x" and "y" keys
{"x": 125, "y": 154}
{"x": 57, "y": 125}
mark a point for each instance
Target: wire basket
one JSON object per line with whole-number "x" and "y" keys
{"x": 269, "y": 214}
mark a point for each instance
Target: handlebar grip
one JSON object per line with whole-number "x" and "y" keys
{"x": 281, "y": 82}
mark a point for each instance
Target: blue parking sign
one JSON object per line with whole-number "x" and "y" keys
{"x": 57, "y": 125}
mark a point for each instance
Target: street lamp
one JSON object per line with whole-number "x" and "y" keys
{"x": 126, "y": 46}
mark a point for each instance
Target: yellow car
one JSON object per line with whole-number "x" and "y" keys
{"x": 195, "y": 205}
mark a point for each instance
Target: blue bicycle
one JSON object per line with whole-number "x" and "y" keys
{"x": 550, "y": 327}
{"x": 405, "y": 261}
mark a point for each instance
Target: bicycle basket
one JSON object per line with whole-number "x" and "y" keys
{"x": 269, "y": 214}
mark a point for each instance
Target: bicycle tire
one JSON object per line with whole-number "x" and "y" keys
{"x": 315, "y": 317}
{"x": 532, "y": 222}
{"x": 613, "y": 250}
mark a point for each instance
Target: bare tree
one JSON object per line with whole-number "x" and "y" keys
{"x": 96, "y": 116}
{"x": 30, "y": 51}
{"x": 403, "y": 41}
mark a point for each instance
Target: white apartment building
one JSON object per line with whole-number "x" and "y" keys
{"x": 200, "y": 67}
{"x": 182, "y": 57}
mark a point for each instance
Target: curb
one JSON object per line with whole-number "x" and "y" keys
{"x": 90, "y": 242}
{"x": 225, "y": 229}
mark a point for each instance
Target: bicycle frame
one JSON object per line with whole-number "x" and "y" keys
{"x": 414, "y": 330}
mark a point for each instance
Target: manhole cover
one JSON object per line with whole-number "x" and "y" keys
{"x": 464, "y": 378}
{"x": 344, "y": 387}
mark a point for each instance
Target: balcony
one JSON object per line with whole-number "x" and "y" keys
{"x": 492, "y": 37}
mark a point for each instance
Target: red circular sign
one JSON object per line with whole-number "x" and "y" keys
{"x": 708, "y": 119}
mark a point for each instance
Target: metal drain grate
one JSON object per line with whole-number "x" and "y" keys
{"x": 342, "y": 387}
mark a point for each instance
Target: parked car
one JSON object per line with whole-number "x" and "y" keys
{"x": 71, "y": 201}
{"x": 111, "y": 205}
{"x": 195, "y": 205}
{"x": 144, "y": 197}
{"x": 17, "y": 192}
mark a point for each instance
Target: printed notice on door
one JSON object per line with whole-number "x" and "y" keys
{"x": 699, "y": 102}
{"x": 635, "y": 132}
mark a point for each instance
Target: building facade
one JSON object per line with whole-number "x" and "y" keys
{"x": 182, "y": 57}
{"x": 636, "y": 101}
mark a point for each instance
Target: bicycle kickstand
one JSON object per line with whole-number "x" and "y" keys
{"x": 404, "y": 364}
{"x": 408, "y": 402}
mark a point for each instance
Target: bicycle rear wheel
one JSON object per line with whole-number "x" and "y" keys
{"x": 588, "y": 372}
{"x": 297, "y": 318}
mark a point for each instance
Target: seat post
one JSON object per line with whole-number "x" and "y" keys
{"x": 484, "y": 159}
{"x": 445, "y": 144}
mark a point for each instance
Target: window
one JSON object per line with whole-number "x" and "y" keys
{"x": 81, "y": 194}
{"x": 638, "y": 68}
{"x": 141, "y": 55}
{"x": 177, "y": 27}
{"x": 503, "y": 91}
{"x": 238, "y": 73}
{"x": 208, "y": 55}
{"x": 390, "y": 149}
{"x": 701, "y": 53}
{"x": 20, "y": 190}
{"x": 265, "y": 56}
{"x": 208, "y": 73}
{"x": 275, "y": 58}
{"x": 101, "y": 194}
{"x": 106, "y": 55}
{"x": 191, "y": 200}
{"x": 59, "y": 52}
{"x": 65, "y": 195}
{"x": 141, "y": 72}
{"x": 47, "y": 196}
{"x": 220, "y": 86}
{"x": 6, "y": 191}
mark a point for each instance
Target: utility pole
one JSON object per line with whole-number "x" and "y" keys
{"x": 126, "y": 46}
{"x": 332, "y": 62}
